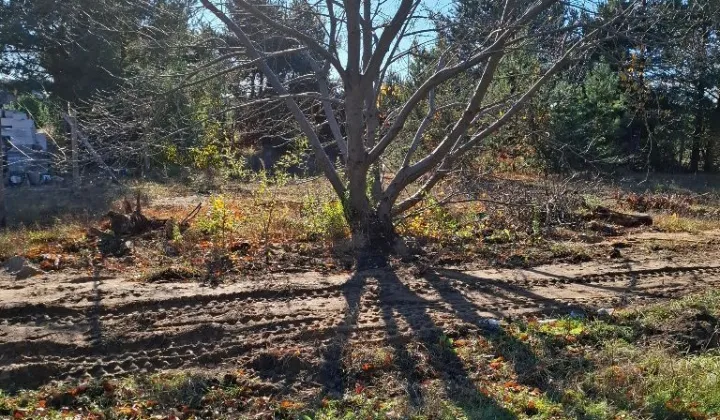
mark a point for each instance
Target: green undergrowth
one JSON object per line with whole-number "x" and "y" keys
{"x": 629, "y": 364}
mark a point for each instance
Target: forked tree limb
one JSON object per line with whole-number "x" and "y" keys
{"x": 451, "y": 158}
{"x": 425, "y": 123}
{"x": 327, "y": 105}
{"x": 305, "y": 125}
{"x": 503, "y": 40}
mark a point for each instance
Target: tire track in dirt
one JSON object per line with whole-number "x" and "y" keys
{"x": 214, "y": 328}
{"x": 39, "y": 312}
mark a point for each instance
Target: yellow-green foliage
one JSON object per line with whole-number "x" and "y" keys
{"x": 674, "y": 223}
{"x": 433, "y": 222}
{"x": 325, "y": 219}
{"x": 219, "y": 218}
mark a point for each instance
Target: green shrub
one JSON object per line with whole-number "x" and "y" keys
{"x": 325, "y": 219}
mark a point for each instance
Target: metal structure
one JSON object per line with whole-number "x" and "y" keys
{"x": 24, "y": 148}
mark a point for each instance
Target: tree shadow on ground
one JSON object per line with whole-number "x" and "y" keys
{"x": 544, "y": 372}
{"x": 406, "y": 317}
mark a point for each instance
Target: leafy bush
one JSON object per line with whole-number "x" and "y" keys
{"x": 434, "y": 221}
{"x": 219, "y": 219}
{"x": 325, "y": 219}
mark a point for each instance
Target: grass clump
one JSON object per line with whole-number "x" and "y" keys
{"x": 324, "y": 219}
{"x": 674, "y": 224}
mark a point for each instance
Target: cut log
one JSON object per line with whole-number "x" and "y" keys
{"x": 621, "y": 219}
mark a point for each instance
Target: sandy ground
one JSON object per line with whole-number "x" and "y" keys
{"x": 71, "y": 325}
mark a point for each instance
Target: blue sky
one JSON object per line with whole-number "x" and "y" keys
{"x": 388, "y": 10}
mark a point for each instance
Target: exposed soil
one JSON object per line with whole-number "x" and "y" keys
{"x": 69, "y": 325}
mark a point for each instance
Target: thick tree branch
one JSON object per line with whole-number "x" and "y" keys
{"x": 407, "y": 175}
{"x": 502, "y": 41}
{"x": 425, "y": 122}
{"x": 299, "y": 116}
{"x": 327, "y": 106}
{"x": 372, "y": 68}
{"x": 450, "y": 159}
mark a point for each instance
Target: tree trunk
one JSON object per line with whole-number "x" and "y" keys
{"x": 697, "y": 133}
{"x": 709, "y": 165}
{"x": 373, "y": 236}
{"x": 710, "y": 151}
{"x": 3, "y": 214}
{"x": 74, "y": 149}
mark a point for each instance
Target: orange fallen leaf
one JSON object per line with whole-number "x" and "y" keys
{"x": 47, "y": 265}
{"x": 78, "y": 390}
{"x": 108, "y": 387}
{"x": 359, "y": 388}
{"x": 287, "y": 404}
{"x": 497, "y": 363}
{"x": 531, "y": 408}
{"x": 513, "y": 386}
{"x": 460, "y": 343}
{"x": 127, "y": 411}
{"x": 387, "y": 361}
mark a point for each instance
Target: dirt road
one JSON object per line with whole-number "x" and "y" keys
{"x": 72, "y": 326}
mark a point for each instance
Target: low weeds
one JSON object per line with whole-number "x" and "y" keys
{"x": 434, "y": 222}
{"x": 220, "y": 218}
{"x": 58, "y": 237}
{"x": 656, "y": 382}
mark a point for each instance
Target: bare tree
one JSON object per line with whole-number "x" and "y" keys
{"x": 372, "y": 43}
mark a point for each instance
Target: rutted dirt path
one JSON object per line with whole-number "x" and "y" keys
{"x": 66, "y": 326}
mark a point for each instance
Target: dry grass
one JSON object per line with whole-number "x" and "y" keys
{"x": 278, "y": 218}
{"x": 49, "y": 219}
{"x": 674, "y": 223}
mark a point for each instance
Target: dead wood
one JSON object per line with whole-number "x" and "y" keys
{"x": 185, "y": 223}
{"x": 621, "y": 219}
{"x": 133, "y": 222}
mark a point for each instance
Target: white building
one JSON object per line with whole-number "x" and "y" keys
{"x": 25, "y": 148}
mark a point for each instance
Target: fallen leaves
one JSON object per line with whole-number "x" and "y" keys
{"x": 129, "y": 411}
{"x": 531, "y": 408}
{"x": 461, "y": 343}
{"x": 291, "y": 405}
{"x": 513, "y": 386}
{"x": 497, "y": 363}
{"x": 359, "y": 388}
